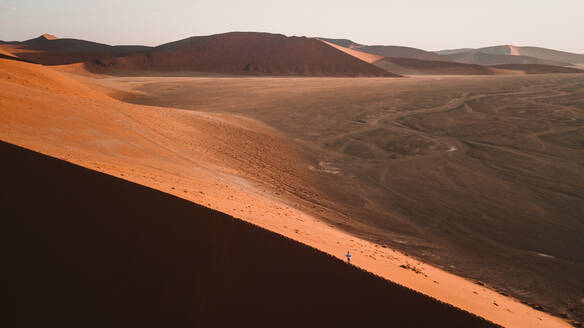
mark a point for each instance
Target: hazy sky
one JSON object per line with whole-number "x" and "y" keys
{"x": 427, "y": 24}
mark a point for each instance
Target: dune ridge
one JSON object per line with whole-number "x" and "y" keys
{"x": 414, "y": 66}
{"x": 244, "y": 53}
{"x": 50, "y": 50}
{"x": 509, "y": 54}
{"x": 480, "y": 58}
{"x": 366, "y": 57}
{"x": 539, "y": 69}
{"x": 386, "y": 51}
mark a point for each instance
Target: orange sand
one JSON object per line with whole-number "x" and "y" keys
{"x": 370, "y": 58}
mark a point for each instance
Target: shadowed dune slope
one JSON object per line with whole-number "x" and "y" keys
{"x": 550, "y": 54}
{"x": 386, "y": 51}
{"x": 5, "y": 56}
{"x": 364, "y": 56}
{"x": 431, "y": 67}
{"x": 49, "y": 50}
{"x": 536, "y": 52}
{"x": 538, "y": 68}
{"x": 81, "y": 248}
{"x": 481, "y": 58}
{"x": 401, "y": 52}
{"x": 247, "y": 53}
{"x": 411, "y": 66}
{"x": 342, "y": 42}
{"x": 451, "y": 51}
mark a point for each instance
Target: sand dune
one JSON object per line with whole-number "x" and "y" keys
{"x": 554, "y": 55}
{"x": 501, "y": 50}
{"x": 386, "y": 51}
{"x": 225, "y": 162}
{"x": 539, "y": 69}
{"x": 410, "y": 66}
{"x": 401, "y": 52}
{"x": 508, "y": 54}
{"x": 243, "y": 53}
{"x": 481, "y": 58}
{"x": 7, "y": 55}
{"x": 50, "y": 50}
{"x": 514, "y": 51}
{"x": 546, "y": 55}
{"x": 124, "y": 255}
{"x": 452, "y": 51}
{"x": 366, "y": 57}
{"x": 345, "y": 43}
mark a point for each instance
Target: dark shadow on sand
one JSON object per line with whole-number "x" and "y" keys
{"x": 85, "y": 249}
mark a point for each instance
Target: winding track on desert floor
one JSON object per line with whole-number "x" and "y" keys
{"x": 228, "y": 162}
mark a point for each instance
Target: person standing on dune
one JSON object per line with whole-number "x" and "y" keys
{"x": 348, "y": 255}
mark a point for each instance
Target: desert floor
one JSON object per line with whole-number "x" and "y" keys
{"x": 481, "y": 176}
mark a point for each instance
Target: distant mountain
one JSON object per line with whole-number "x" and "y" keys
{"x": 50, "y": 50}
{"x": 539, "y": 69}
{"x": 524, "y": 55}
{"x": 246, "y": 53}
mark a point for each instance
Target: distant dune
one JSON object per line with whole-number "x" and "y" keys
{"x": 481, "y": 58}
{"x": 366, "y": 57}
{"x": 245, "y": 53}
{"x": 539, "y": 69}
{"x": 251, "y": 53}
{"x": 50, "y": 50}
{"x": 508, "y": 54}
{"x": 386, "y": 51}
{"x": 401, "y": 52}
{"x": 411, "y": 66}
{"x": 535, "y": 52}
{"x": 451, "y": 51}
{"x": 342, "y": 42}
{"x": 7, "y": 55}
{"x": 501, "y": 50}
{"x": 554, "y": 55}
{"x": 84, "y": 249}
